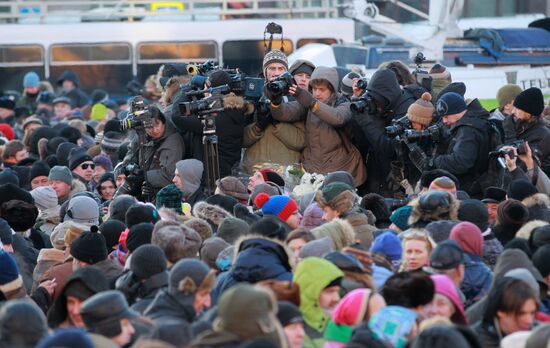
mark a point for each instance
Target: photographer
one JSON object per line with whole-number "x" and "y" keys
{"x": 326, "y": 113}
{"x": 533, "y": 172}
{"x": 387, "y": 102}
{"x": 156, "y": 158}
{"x": 267, "y": 140}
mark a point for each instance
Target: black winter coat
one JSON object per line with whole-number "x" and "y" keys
{"x": 166, "y": 305}
{"x": 148, "y": 291}
{"x": 536, "y": 133}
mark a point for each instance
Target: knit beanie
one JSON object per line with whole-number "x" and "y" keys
{"x": 313, "y": 217}
{"x": 111, "y": 230}
{"x": 61, "y": 173}
{"x": 521, "y": 189}
{"x": 62, "y": 153}
{"x": 317, "y": 248}
{"x": 8, "y": 268}
{"x": 474, "y": 211}
{"x": 507, "y": 93}
{"x": 44, "y": 197}
{"x": 89, "y": 247}
{"x": 6, "y": 233}
{"x": 31, "y": 79}
{"x": 512, "y": 212}
{"x": 440, "y": 71}
{"x": 119, "y": 206}
{"x": 148, "y": 260}
{"x": 347, "y": 82}
{"x": 450, "y": 103}
{"x": 352, "y": 308}
{"x": 274, "y": 56}
{"x": 540, "y": 260}
{"x": 139, "y": 235}
{"x": 400, "y": 217}
{"x": 39, "y": 168}
{"x": 531, "y": 100}
{"x": 232, "y": 186}
{"x": 210, "y": 250}
{"x": 272, "y": 176}
{"x": 189, "y": 276}
{"x": 83, "y": 209}
{"x": 540, "y": 236}
{"x": 469, "y": 238}
{"x": 8, "y": 176}
{"x": 103, "y": 161}
{"x": 77, "y": 156}
{"x": 112, "y": 141}
{"x": 140, "y": 212}
{"x": 232, "y": 229}
{"x": 389, "y": 245}
{"x": 219, "y": 78}
{"x": 443, "y": 184}
{"x": 70, "y": 337}
{"x": 301, "y": 66}
{"x": 422, "y": 110}
{"x": 270, "y": 227}
{"x": 170, "y": 197}
{"x": 281, "y": 206}
{"x": 10, "y": 192}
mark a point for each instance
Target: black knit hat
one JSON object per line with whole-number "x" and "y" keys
{"x": 11, "y": 191}
{"x": 474, "y": 211}
{"x": 9, "y": 176}
{"x": 111, "y": 230}
{"x": 521, "y": 189}
{"x": 148, "y": 260}
{"x": 62, "y": 153}
{"x": 89, "y": 247}
{"x": 408, "y": 289}
{"x": 289, "y": 313}
{"x": 140, "y": 212}
{"x": 39, "y": 168}
{"x": 219, "y": 78}
{"x": 77, "y": 156}
{"x": 531, "y": 100}
{"x": 540, "y": 260}
{"x": 139, "y": 235}
{"x": 169, "y": 196}
{"x": 6, "y": 236}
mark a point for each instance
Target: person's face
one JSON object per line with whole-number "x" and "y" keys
{"x": 62, "y": 110}
{"x": 302, "y": 80}
{"x": 417, "y": 126}
{"x": 61, "y": 188}
{"x": 273, "y": 70}
{"x": 177, "y": 180}
{"x": 442, "y": 306}
{"x": 202, "y": 301}
{"x": 158, "y": 129}
{"x": 98, "y": 172}
{"x": 5, "y": 113}
{"x": 85, "y": 170}
{"x": 21, "y": 155}
{"x": 329, "y": 297}
{"x": 296, "y": 245}
{"x": 31, "y": 127}
{"x": 450, "y": 120}
{"x": 321, "y": 92}
{"x": 416, "y": 254}
{"x": 294, "y": 220}
{"x": 67, "y": 85}
{"x": 73, "y": 311}
{"x": 107, "y": 190}
{"x": 39, "y": 181}
{"x": 492, "y": 209}
{"x": 126, "y": 332}
{"x": 520, "y": 115}
{"x": 120, "y": 179}
{"x": 254, "y": 180}
{"x": 295, "y": 335}
{"x": 522, "y": 321}
{"x": 330, "y": 214}
{"x": 32, "y": 90}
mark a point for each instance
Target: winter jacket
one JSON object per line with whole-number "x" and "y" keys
{"x": 60, "y": 272}
{"x": 258, "y": 258}
{"x": 477, "y": 279}
{"x": 467, "y": 154}
{"x": 380, "y": 150}
{"x": 488, "y": 334}
{"x": 25, "y": 256}
{"x": 76, "y": 187}
{"x": 78, "y": 97}
{"x": 148, "y": 290}
{"x": 110, "y": 269}
{"x": 536, "y": 133}
{"x": 328, "y": 145}
{"x": 538, "y": 206}
{"x": 166, "y": 305}
{"x": 46, "y": 259}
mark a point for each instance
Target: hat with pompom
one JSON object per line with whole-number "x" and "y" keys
{"x": 281, "y": 206}
{"x": 422, "y": 110}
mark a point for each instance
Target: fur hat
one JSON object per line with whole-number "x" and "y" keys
{"x": 232, "y": 186}
{"x": 422, "y": 110}
{"x": 213, "y": 214}
{"x": 512, "y": 212}
{"x": 202, "y": 227}
{"x": 318, "y": 248}
{"x": 313, "y": 217}
{"x": 177, "y": 241}
{"x": 338, "y": 196}
{"x": 433, "y": 206}
{"x": 408, "y": 289}
{"x": 210, "y": 250}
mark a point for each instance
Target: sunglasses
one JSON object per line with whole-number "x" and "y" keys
{"x": 86, "y": 165}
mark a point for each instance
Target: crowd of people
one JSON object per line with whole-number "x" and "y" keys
{"x": 355, "y": 212}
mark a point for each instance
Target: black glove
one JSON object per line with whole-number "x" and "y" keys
{"x": 146, "y": 191}
{"x": 275, "y": 98}
{"x": 418, "y": 157}
{"x": 264, "y": 120}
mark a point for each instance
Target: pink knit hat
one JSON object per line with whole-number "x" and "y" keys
{"x": 445, "y": 286}
{"x": 469, "y": 238}
{"x": 352, "y": 308}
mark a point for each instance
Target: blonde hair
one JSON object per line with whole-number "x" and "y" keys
{"x": 416, "y": 234}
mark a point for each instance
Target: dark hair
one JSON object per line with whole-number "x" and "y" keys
{"x": 317, "y": 82}
{"x": 156, "y": 113}
{"x": 430, "y": 175}
{"x": 12, "y": 148}
{"x": 507, "y": 295}
{"x": 271, "y": 227}
{"x": 300, "y": 233}
{"x": 401, "y": 71}
{"x": 408, "y": 289}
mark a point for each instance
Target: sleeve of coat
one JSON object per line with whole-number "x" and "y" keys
{"x": 289, "y": 112}
{"x": 293, "y": 135}
{"x": 373, "y": 128}
{"x": 170, "y": 152}
{"x": 463, "y": 155}
{"x": 335, "y": 116}
{"x": 251, "y": 135}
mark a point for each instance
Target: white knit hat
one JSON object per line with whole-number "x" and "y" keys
{"x": 44, "y": 197}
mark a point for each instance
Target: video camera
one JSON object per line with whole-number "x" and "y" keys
{"x": 362, "y": 103}
{"x": 422, "y": 77}
{"x": 201, "y": 69}
{"x": 202, "y": 107}
{"x": 139, "y": 116}
{"x": 398, "y": 127}
{"x": 281, "y": 84}
{"x": 251, "y": 88}
{"x": 500, "y": 154}
{"x": 432, "y": 133}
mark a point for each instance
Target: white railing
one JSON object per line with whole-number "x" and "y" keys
{"x": 16, "y": 11}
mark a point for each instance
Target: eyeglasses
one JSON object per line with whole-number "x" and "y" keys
{"x": 86, "y": 165}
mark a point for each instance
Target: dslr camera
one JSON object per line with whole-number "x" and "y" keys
{"x": 432, "y": 132}
{"x": 281, "y": 84}
{"x": 398, "y": 127}
{"x": 139, "y": 116}
{"x": 362, "y": 103}
{"x": 203, "y": 107}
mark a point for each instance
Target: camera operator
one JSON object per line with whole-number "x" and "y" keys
{"x": 326, "y": 113}
{"x": 387, "y": 102}
{"x": 532, "y": 174}
{"x": 267, "y": 140}
{"x": 353, "y": 85}
{"x": 156, "y": 158}
{"x": 526, "y": 124}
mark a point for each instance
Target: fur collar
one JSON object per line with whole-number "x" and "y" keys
{"x": 232, "y": 101}
{"x": 418, "y": 214}
{"x": 537, "y": 199}
{"x": 210, "y": 212}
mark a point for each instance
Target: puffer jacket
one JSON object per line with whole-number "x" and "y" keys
{"x": 328, "y": 144}
{"x": 477, "y": 279}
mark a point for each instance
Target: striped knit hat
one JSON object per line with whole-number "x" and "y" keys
{"x": 274, "y": 56}
{"x": 422, "y": 110}
{"x": 443, "y": 183}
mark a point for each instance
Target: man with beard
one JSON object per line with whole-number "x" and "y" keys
{"x": 526, "y": 124}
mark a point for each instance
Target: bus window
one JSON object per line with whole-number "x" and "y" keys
{"x": 16, "y": 61}
{"x": 105, "y": 65}
{"x": 326, "y": 41}
{"x": 248, "y": 54}
{"x": 151, "y": 55}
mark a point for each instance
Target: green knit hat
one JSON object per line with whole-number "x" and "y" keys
{"x": 507, "y": 93}
{"x": 170, "y": 197}
{"x": 400, "y": 217}
{"x": 334, "y": 189}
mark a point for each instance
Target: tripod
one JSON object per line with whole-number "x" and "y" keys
{"x": 210, "y": 154}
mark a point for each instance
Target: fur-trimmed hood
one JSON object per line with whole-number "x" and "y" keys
{"x": 419, "y": 215}
{"x": 526, "y": 230}
{"x": 212, "y": 213}
{"x": 537, "y": 199}
{"x": 172, "y": 88}
{"x": 340, "y": 231}
{"x": 233, "y": 101}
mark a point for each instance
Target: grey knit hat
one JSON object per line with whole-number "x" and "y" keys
{"x": 44, "y": 197}
{"x": 188, "y": 276}
{"x": 84, "y": 210}
{"x": 61, "y": 173}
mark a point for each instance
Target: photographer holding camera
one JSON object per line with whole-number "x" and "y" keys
{"x": 265, "y": 139}
{"x": 152, "y": 154}
{"x": 532, "y": 172}
{"x": 383, "y": 102}
{"x": 326, "y": 113}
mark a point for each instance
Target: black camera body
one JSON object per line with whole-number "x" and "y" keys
{"x": 139, "y": 116}
{"x": 203, "y": 107}
{"x": 432, "y": 133}
{"x": 251, "y": 88}
{"x": 281, "y": 84}
{"x": 362, "y": 103}
{"x": 362, "y": 83}
{"x": 398, "y": 127}
{"x": 520, "y": 150}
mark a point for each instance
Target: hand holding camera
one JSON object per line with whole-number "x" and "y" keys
{"x": 304, "y": 97}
